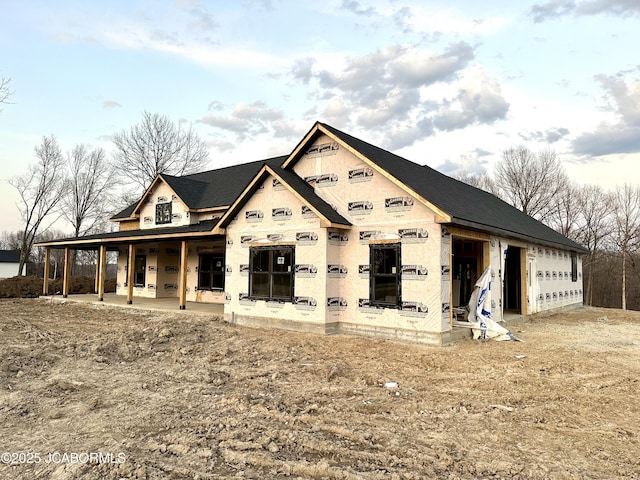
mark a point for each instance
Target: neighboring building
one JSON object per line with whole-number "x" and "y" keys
{"x": 338, "y": 236}
{"x": 9, "y": 263}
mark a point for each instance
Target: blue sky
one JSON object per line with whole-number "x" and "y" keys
{"x": 450, "y": 84}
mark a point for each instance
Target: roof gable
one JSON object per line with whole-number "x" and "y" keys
{"x": 160, "y": 179}
{"x": 296, "y": 185}
{"x": 208, "y": 190}
{"x": 320, "y": 128}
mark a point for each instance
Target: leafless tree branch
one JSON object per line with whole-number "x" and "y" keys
{"x": 90, "y": 182}
{"x": 41, "y": 190}
{"x": 530, "y": 180}
{"x": 5, "y": 90}
{"x": 156, "y": 145}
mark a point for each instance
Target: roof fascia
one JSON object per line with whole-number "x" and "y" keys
{"x": 125, "y": 239}
{"x": 517, "y": 236}
{"x": 324, "y": 221}
{"x": 209, "y": 209}
{"x": 294, "y": 155}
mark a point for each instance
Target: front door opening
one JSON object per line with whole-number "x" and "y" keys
{"x": 513, "y": 280}
{"x": 467, "y": 268}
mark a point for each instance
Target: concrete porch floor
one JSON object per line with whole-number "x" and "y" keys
{"x": 155, "y": 304}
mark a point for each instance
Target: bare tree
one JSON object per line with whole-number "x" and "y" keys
{"x": 10, "y": 240}
{"x": 5, "y": 90}
{"x": 41, "y": 190}
{"x": 482, "y": 181}
{"x": 594, "y": 225}
{"x": 626, "y": 232}
{"x": 530, "y": 180}
{"x": 156, "y": 145}
{"x": 90, "y": 181}
{"x": 563, "y": 212}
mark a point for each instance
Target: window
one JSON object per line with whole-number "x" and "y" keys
{"x": 211, "y": 272}
{"x": 139, "y": 268}
{"x": 384, "y": 274}
{"x": 574, "y": 267}
{"x": 271, "y": 273}
{"x": 163, "y": 213}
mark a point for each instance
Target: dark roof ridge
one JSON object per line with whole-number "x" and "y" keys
{"x": 241, "y": 164}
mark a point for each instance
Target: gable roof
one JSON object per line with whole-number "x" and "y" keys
{"x": 454, "y": 202}
{"x": 9, "y": 256}
{"x": 461, "y": 204}
{"x": 300, "y": 188}
{"x": 211, "y": 189}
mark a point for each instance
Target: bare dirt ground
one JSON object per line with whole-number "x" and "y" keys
{"x": 179, "y": 396}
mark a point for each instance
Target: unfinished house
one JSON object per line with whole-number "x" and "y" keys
{"x": 338, "y": 236}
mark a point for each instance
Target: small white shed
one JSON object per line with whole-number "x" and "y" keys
{"x": 9, "y": 262}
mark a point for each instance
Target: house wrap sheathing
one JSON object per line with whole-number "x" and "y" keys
{"x": 338, "y": 236}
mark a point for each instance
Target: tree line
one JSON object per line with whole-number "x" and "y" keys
{"x": 85, "y": 186}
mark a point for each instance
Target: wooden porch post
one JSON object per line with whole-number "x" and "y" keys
{"x": 130, "y": 267}
{"x": 95, "y": 288}
{"x": 47, "y": 259}
{"x": 67, "y": 272}
{"x": 103, "y": 263}
{"x": 182, "y": 286}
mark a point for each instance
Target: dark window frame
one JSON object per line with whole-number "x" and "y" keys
{"x": 381, "y": 273}
{"x": 263, "y": 263}
{"x": 574, "y": 267}
{"x": 163, "y": 213}
{"x": 213, "y": 275}
{"x": 139, "y": 273}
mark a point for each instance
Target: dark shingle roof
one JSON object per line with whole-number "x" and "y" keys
{"x": 213, "y": 188}
{"x": 201, "y": 227}
{"x": 224, "y": 185}
{"x": 307, "y": 192}
{"x": 125, "y": 213}
{"x": 469, "y": 206}
{"x": 9, "y": 256}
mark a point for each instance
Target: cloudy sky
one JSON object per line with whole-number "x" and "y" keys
{"x": 450, "y": 84}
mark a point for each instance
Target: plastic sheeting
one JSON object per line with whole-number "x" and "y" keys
{"x": 482, "y": 325}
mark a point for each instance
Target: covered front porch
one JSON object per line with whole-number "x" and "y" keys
{"x": 165, "y": 267}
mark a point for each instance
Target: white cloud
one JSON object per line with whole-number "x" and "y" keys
{"x": 559, "y": 8}
{"x": 110, "y": 104}
{"x": 450, "y": 20}
{"x": 621, "y": 135}
{"x": 188, "y": 31}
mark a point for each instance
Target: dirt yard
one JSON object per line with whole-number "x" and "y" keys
{"x": 92, "y": 392}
